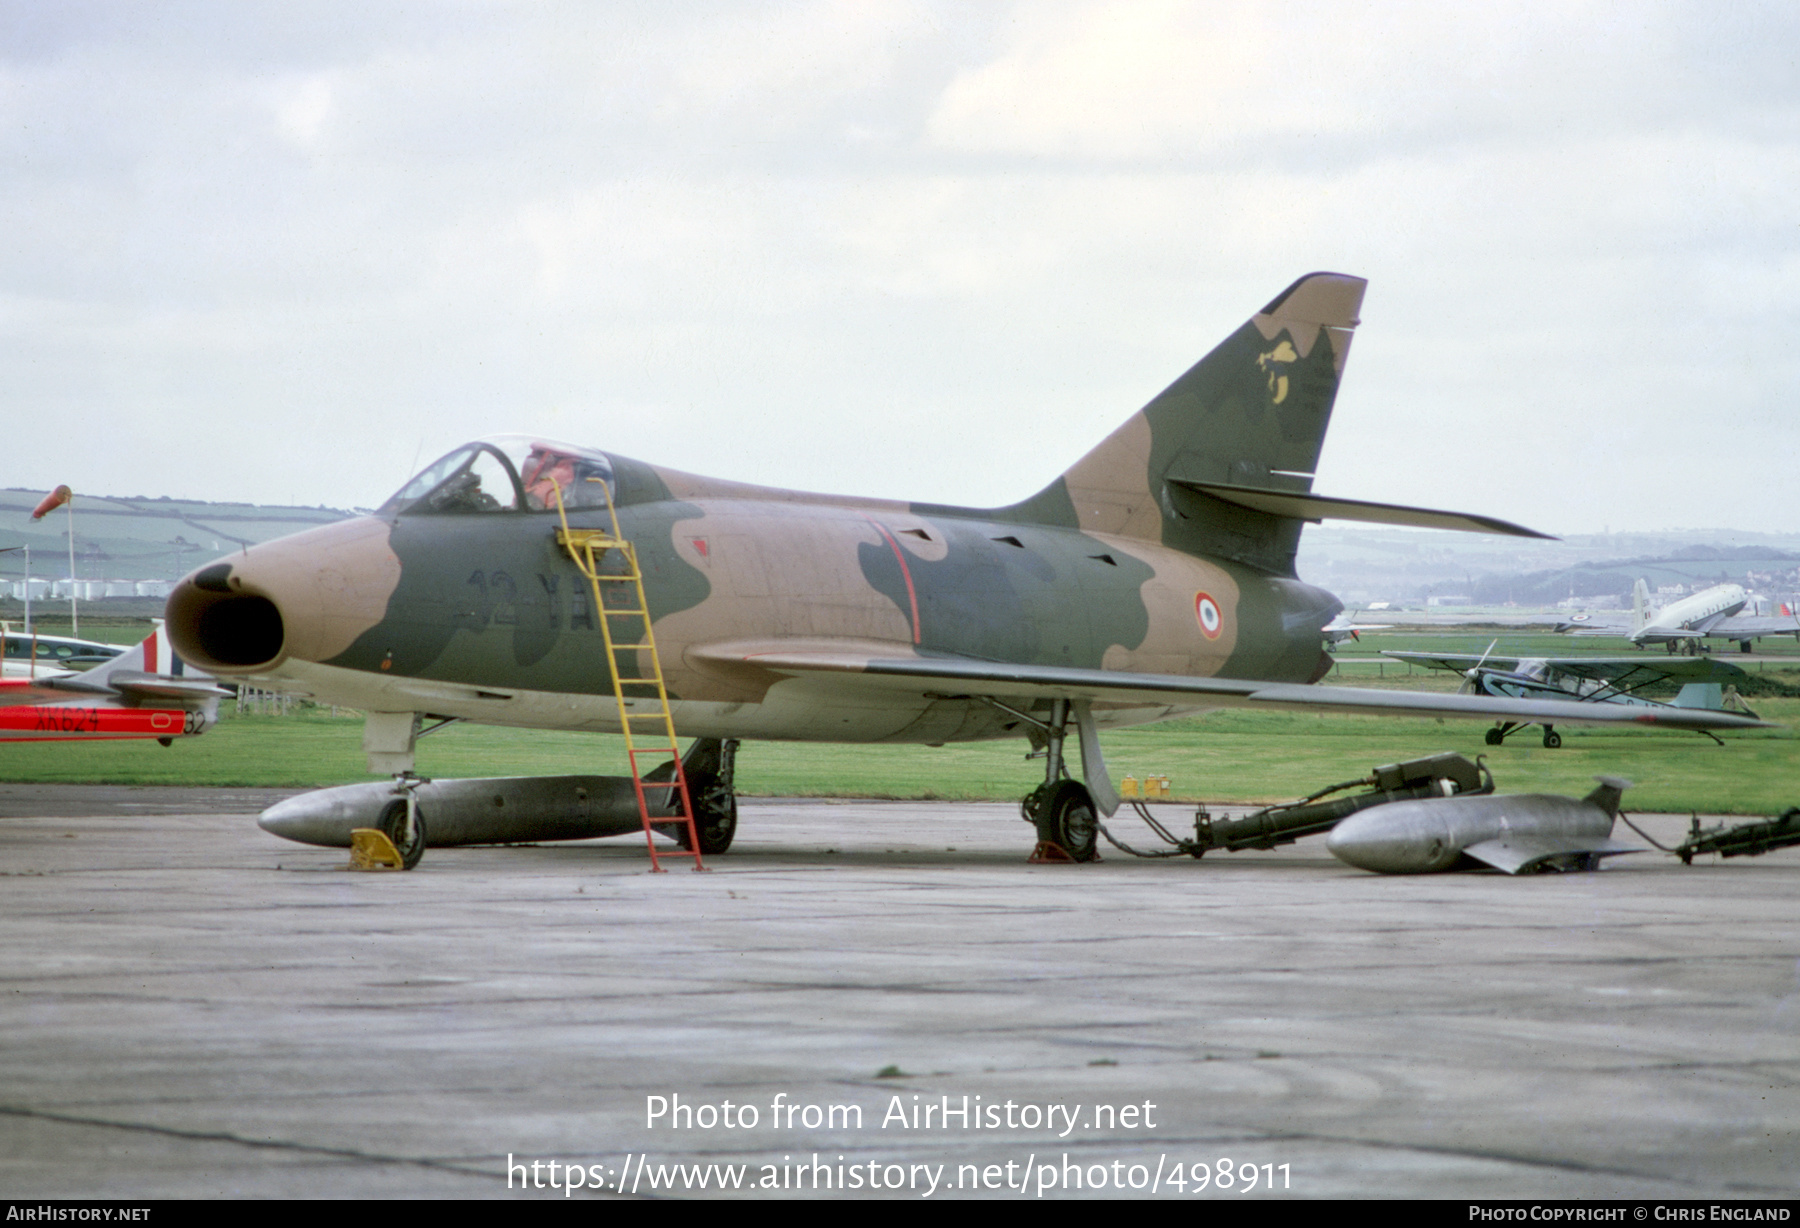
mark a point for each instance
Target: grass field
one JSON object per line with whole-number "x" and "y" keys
{"x": 1222, "y": 757}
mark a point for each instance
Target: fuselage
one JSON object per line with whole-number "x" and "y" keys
{"x": 44, "y": 656}
{"x": 1692, "y": 616}
{"x": 1536, "y": 679}
{"x": 478, "y": 612}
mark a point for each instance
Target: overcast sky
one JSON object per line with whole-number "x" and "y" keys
{"x": 289, "y": 253}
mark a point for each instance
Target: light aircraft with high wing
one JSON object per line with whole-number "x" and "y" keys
{"x": 1594, "y": 680}
{"x": 1155, "y": 577}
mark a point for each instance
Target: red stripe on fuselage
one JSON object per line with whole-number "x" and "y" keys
{"x": 905, "y": 571}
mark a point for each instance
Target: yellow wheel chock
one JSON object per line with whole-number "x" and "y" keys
{"x": 370, "y": 849}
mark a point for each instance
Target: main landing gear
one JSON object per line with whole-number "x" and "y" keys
{"x": 1067, "y": 824}
{"x": 1497, "y": 735}
{"x": 1064, "y": 811}
{"x": 709, "y": 766}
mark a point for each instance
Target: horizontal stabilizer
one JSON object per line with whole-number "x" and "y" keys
{"x": 137, "y": 682}
{"x": 1300, "y": 506}
{"x": 164, "y": 686}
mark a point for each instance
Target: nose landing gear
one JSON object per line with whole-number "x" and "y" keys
{"x": 403, "y": 822}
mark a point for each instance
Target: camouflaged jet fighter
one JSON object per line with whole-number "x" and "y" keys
{"x": 1153, "y": 578}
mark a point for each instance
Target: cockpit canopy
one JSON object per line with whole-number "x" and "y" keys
{"x": 507, "y": 473}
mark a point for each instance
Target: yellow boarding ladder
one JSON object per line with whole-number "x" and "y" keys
{"x": 649, "y": 729}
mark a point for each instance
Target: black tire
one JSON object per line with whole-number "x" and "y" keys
{"x": 715, "y": 825}
{"x": 1068, "y": 818}
{"x": 1552, "y": 739}
{"x": 1495, "y": 737}
{"x": 393, "y": 825}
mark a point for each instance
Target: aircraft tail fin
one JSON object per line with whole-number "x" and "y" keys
{"x": 150, "y": 670}
{"x": 1640, "y": 605}
{"x": 1251, "y": 414}
{"x": 1608, "y": 794}
{"x": 1706, "y": 695}
{"x": 152, "y": 655}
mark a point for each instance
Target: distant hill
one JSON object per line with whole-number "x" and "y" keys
{"x": 1363, "y": 565}
{"x": 1694, "y": 567}
{"x": 140, "y": 537}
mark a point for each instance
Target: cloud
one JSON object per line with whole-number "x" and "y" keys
{"x": 907, "y": 249}
{"x": 1248, "y": 82}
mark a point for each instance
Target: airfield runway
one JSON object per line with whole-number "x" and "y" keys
{"x": 193, "y": 1008}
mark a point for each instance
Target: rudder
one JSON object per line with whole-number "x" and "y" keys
{"x": 1252, "y": 413}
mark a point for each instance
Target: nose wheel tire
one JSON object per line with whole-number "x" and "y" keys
{"x": 1068, "y": 819}
{"x": 1552, "y": 739}
{"x": 393, "y": 825}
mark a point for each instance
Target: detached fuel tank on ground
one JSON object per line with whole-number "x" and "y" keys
{"x": 1518, "y": 833}
{"x": 522, "y": 809}
{"x": 490, "y": 810}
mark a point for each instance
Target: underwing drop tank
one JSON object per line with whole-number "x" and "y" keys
{"x": 1516, "y": 832}
{"x": 487, "y": 810}
{"x": 520, "y": 809}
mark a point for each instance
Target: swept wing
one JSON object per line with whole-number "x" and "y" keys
{"x": 853, "y": 667}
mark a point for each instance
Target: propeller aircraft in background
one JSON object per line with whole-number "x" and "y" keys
{"x": 1593, "y": 680}
{"x": 1685, "y": 625}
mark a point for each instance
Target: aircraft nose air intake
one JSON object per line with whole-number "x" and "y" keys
{"x": 308, "y": 596}
{"x": 242, "y": 631}
{"x": 218, "y": 625}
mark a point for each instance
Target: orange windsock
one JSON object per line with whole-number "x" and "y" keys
{"x": 52, "y": 501}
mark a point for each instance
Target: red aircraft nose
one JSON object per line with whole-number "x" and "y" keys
{"x": 307, "y": 596}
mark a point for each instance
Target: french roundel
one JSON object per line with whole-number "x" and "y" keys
{"x": 1206, "y": 611}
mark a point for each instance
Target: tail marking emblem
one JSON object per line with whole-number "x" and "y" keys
{"x": 1278, "y": 381}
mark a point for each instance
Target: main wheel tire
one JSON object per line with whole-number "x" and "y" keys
{"x": 1552, "y": 739}
{"x": 1495, "y": 737}
{"x": 393, "y": 825}
{"x": 1070, "y": 820}
{"x": 715, "y": 826}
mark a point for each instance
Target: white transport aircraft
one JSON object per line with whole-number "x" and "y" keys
{"x": 1712, "y": 613}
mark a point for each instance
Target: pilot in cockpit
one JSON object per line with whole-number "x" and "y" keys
{"x": 581, "y": 480}
{"x": 508, "y": 473}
